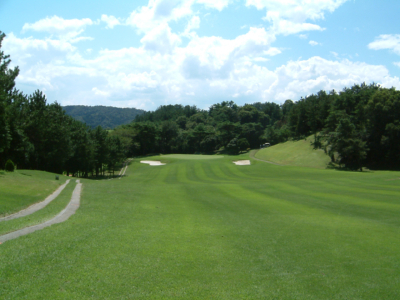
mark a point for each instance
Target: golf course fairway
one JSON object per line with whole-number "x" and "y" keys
{"x": 209, "y": 229}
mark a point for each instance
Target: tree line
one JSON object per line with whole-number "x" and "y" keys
{"x": 38, "y": 135}
{"x": 358, "y": 126}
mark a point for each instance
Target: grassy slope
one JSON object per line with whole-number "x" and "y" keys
{"x": 297, "y": 153}
{"x": 207, "y": 229}
{"x": 22, "y": 188}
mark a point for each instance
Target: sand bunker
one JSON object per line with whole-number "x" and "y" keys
{"x": 242, "y": 162}
{"x": 152, "y": 162}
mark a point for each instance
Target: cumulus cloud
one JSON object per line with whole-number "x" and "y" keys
{"x": 299, "y": 78}
{"x": 157, "y": 12}
{"x": 289, "y": 17}
{"x": 386, "y": 41}
{"x": 160, "y": 39}
{"x": 56, "y": 24}
{"x": 313, "y": 43}
{"x": 110, "y": 21}
{"x": 68, "y": 30}
{"x": 194, "y": 23}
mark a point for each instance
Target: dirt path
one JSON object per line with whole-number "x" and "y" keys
{"x": 122, "y": 172}
{"x": 37, "y": 206}
{"x": 64, "y": 215}
{"x": 253, "y": 153}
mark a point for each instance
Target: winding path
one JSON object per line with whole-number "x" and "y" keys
{"x": 64, "y": 215}
{"x": 37, "y": 206}
{"x": 253, "y": 153}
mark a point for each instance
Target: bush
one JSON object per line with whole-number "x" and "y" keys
{"x": 10, "y": 166}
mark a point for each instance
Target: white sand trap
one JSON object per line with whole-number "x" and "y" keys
{"x": 152, "y": 162}
{"x": 242, "y": 162}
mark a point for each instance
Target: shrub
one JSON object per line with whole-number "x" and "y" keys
{"x": 9, "y": 166}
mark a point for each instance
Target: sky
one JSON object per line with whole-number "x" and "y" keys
{"x": 144, "y": 54}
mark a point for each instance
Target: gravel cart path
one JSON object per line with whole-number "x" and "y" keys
{"x": 35, "y": 207}
{"x": 64, "y": 215}
{"x": 253, "y": 153}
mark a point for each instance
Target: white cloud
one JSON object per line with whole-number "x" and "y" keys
{"x": 290, "y": 16}
{"x": 111, "y": 21}
{"x": 56, "y": 24}
{"x": 157, "y": 12}
{"x": 299, "y": 78}
{"x": 313, "y": 43}
{"x": 160, "y": 39}
{"x": 397, "y": 64}
{"x": 99, "y": 92}
{"x": 67, "y": 30}
{"x": 194, "y": 23}
{"x": 386, "y": 41}
{"x": 216, "y": 4}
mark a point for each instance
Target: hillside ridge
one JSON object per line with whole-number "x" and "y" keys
{"x": 107, "y": 117}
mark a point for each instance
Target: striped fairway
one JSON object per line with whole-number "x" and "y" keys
{"x": 208, "y": 229}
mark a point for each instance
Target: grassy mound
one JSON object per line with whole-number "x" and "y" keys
{"x": 295, "y": 153}
{"x": 22, "y": 188}
{"x": 208, "y": 229}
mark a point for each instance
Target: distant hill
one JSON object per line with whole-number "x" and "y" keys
{"x": 107, "y": 117}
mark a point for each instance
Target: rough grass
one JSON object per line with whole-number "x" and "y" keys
{"x": 208, "y": 229}
{"x": 22, "y": 188}
{"x": 295, "y": 153}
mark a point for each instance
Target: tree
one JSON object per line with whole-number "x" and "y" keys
{"x": 346, "y": 142}
{"x": 101, "y": 153}
{"x": 7, "y": 84}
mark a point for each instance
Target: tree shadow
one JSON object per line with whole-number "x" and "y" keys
{"x": 335, "y": 166}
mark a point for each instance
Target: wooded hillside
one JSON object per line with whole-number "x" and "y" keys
{"x": 107, "y": 117}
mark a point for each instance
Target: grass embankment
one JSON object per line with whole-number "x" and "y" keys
{"x": 295, "y": 153}
{"x": 208, "y": 229}
{"x": 42, "y": 215}
{"x": 22, "y": 188}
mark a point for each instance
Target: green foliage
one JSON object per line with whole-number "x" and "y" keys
{"x": 9, "y": 167}
{"x": 41, "y": 136}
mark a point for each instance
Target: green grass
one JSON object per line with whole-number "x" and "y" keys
{"x": 41, "y": 216}
{"x": 208, "y": 229}
{"x": 22, "y": 188}
{"x": 296, "y": 153}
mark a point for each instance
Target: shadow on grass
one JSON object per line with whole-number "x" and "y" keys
{"x": 335, "y": 166}
{"x": 25, "y": 174}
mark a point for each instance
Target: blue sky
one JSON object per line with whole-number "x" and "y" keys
{"x": 145, "y": 54}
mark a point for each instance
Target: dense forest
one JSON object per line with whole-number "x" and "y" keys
{"x": 38, "y": 135}
{"x": 107, "y": 117}
{"x": 356, "y": 127}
